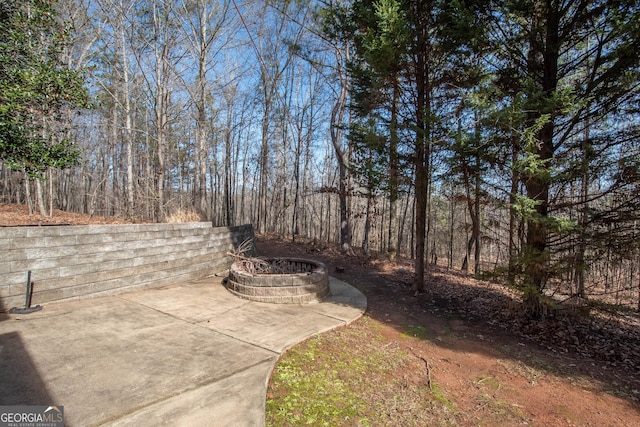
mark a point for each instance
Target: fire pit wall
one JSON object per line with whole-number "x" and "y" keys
{"x": 301, "y": 281}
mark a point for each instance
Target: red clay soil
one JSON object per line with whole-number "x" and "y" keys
{"x": 497, "y": 367}
{"x": 12, "y": 215}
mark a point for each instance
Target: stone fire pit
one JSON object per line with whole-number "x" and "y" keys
{"x": 279, "y": 280}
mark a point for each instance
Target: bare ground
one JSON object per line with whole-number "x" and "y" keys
{"x": 12, "y": 215}
{"x": 460, "y": 353}
{"x": 490, "y": 365}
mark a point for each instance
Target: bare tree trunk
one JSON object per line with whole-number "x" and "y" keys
{"x": 337, "y": 117}
{"x": 27, "y": 192}
{"x": 128, "y": 131}
{"x": 51, "y": 195}
{"x": 452, "y": 212}
{"x": 403, "y": 221}
{"x": 264, "y": 164}
{"x": 470, "y": 172}
{"x": 161, "y": 117}
{"x": 40, "y": 198}
{"x": 392, "y": 249}
{"x": 161, "y": 113}
{"x": 474, "y": 241}
{"x": 511, "y": 274}
{"x": 229, "y": 96}
{"x": 478, "y": 215}
{"x": 201, "y": 134}
{"x": 582, "y": 214}
{"x": 296, "y": 179}
{"x": 422, "y": 142}
{"x": 420, "y": 217}
{"x": 367, "y": 226}
{"x": 227, "y": 171}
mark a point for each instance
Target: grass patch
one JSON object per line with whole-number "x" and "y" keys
{"x": 353, "y": 377}
{"x": 415, "y": 331}
{"x": 313, "y": 397}
{"x": 489, "y": 382}
{"x": 440, "y": 396}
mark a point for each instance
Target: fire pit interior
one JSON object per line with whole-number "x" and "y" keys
{"x": 279, "y": 280}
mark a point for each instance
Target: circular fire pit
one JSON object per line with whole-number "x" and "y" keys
{"x": 279, "y": 280}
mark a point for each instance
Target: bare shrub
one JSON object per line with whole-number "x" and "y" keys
{"x": 185, "y": 215}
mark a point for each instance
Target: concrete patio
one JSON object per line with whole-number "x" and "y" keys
{"x": 185, "y": 354}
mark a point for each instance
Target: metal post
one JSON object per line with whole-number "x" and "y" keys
{"x": 27, "y": 302}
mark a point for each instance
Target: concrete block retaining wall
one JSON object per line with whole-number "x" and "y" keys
{"x": 77, "y": 261}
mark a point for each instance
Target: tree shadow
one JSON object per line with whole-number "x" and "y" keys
{"x": 483, "y": 318}
{"x": 20, "y": 380}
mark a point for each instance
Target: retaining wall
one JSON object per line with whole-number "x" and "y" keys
{"x": 77, "y": 261}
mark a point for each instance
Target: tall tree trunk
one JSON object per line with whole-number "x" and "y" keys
{"x": 228, "y": 209}
{"x": 162, "y": 101}
{"x": 201, "y": 112}
{"x": 229, "y": 216}
{"x": 403, "y": 221}
{"x": 452, "y": 213}
{"x": 515, "y": 179}
{"x": 542, "y": 60}
{"x": 296, "y": 179}
{"x": 478, "y": 179}
{"x": 585, "y": 148}
{"x": 128, "y": 131}
{"x": 421, "y": 183}
{"x": 536, "y": 251}
{"x": 367, "y": 226}
{"x": 201, "y": 138}
{"x": 476, "y": 223}
{"x": 337, "y": 117}
{"x": 40, "y": 198}
{"x": 423, "y": 135}
{"x": 51, "y": 194}
{"x": 27, "y": 192}
{"x": 582, "y": 217}
{"x": 394, "y": 165}
{"x": 264, "y": 164}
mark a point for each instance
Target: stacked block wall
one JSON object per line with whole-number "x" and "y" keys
{"x": 77, "y": 261}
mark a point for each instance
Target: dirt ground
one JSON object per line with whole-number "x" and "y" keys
{"x": 18, "y": 215}
{"x": 494, "y": 366}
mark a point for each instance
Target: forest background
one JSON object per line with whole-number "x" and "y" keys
{"x": 496, "y": 137}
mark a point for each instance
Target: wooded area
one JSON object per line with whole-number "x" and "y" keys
{"x": 499, "y": 137}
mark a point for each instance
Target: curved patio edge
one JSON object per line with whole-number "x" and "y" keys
{"x": 240, "y": 398}
{"x": 188, "y": 353}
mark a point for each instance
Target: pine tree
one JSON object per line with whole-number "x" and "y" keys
{"x": 561, "y": 66}
{"x": 404, "y": 62}
{"x": 378, "y": 73}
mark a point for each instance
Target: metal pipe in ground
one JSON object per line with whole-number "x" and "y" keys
{"x": 27, "y": 300}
